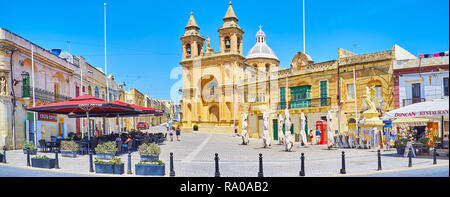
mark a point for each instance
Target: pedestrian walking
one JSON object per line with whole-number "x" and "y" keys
{"x": 311, "y": 136}
{"x": 318, "y": 136}
{"x": 178, "y": 133}
{"x": 171, "y": 133}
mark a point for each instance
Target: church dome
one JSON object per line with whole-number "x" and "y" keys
{"x": 261, "y": 49}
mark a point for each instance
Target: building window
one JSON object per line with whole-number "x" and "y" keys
{"x": 445, "y": 86}
{"x": 77, "y": 91}
{"x": 415, "y": 91}
{"x": 323, "y": 93}
{"x": 377, "y": 92}
{"x": 56, "y": 91}
{"x": 199, "y": 49}
{"x": 351, "y": 91}
{"x": 97, "y": 94}
{"x": 282, "y": 97}
{"x": 25, "y": 84}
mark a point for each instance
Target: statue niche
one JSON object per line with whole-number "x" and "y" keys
{"x": 3, "y": 89}
{"x": 301, "y": 61}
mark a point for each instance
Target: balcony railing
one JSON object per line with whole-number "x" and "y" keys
{"x": 43, "y": 95}
{"x": 305, "y": 103}
{"x": 412, "y": 101}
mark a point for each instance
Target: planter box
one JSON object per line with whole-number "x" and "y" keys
{"x": 1, "y": 158}
{"x": 155, "y": 170}
{"x": 109, "y": 168}
{"x": 32, "y": 152}
{"x": 68, "y": 153}
{"x": 43, "y": 163}
{"x": 149, "y": 157}
{"x": 106, "y": 156}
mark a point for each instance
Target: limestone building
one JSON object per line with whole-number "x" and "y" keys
{"x": 219, "y": 86}
{"x": 58, "y": 76}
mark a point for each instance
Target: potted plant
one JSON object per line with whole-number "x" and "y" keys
{"x": 195, "y": 127}
{"x": 69, "y": 148}
{"x": 29, "y": 146}
{"x": 400, "y": 146}
{"x": 156, "y": 168}
{"x": 149, "y": 152}
{"x": 1, "y": 157}
{"x": 114, "y": 166}
{"x": 106, "y": 150}
{"x": 42, "y": 161}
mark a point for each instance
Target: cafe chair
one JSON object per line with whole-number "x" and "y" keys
{"x": 43, "y": 146}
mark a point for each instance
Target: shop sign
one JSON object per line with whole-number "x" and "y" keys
{"x": 47, "y": 117}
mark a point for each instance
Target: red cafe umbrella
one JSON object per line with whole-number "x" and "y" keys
{"x": 84, "y": 104}
{"x": 80, "y": 105}
{"x": 138, "y": 111}
{"x": 146, "y": 110}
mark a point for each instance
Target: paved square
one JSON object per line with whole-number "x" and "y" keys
{"x": 194, "y": 157}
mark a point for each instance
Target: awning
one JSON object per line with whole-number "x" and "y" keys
{"x": 411, "y": 121}
{"x": 434, "y": 108}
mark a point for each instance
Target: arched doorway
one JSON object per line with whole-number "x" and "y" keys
{"x": 351, "y": 123}
{"x": 214, "y": 113}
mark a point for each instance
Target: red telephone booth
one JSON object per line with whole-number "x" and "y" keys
{"x": 321, "y": 125}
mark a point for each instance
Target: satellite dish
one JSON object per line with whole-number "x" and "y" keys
{"x": 67, "y": 56}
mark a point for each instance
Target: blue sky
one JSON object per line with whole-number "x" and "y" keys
{"x": 143, "y": 37}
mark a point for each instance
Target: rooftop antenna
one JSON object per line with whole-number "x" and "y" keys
{"x": 68, "y": 43}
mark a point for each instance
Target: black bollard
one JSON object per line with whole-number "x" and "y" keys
{"x": 91, "y": 166}
{"x": 56, "y": 160}
{"x": 4, "y": 154}
{"x": 410, "y": 158}
{"x": 129, "y": 163}
{"x": 302, "y": 165}
{"x": 172, "y": 173}
{"x": 260, "y": 173}
{"x": 434, "y": 156}
{"x": 216, "y": 158}
{"x": 379, "y": 161}
{"x": 343, "y": 163}
{"x": 28, "y": 157}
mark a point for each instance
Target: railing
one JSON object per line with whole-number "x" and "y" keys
{"x": 412, "y": 101}
{"x": 305, "y": 103}
{"x": 43, "y": 95}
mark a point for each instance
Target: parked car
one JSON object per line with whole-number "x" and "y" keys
{"x": 142, "y": 125}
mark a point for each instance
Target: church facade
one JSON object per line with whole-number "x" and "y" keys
{"x": 218, "y": 87}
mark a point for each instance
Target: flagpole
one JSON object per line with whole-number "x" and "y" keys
{"x": 356, "y": 103}
{"x": 304, "y": 46}
{"x": 106, "y": 65}
{"x": 82, "y": 93}
{"x": 34, "y": 96}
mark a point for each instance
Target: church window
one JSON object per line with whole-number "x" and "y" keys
{"x": 212, "y": 85}
{"x": 199, "y": 49}
{"x": 238, "y": 45}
